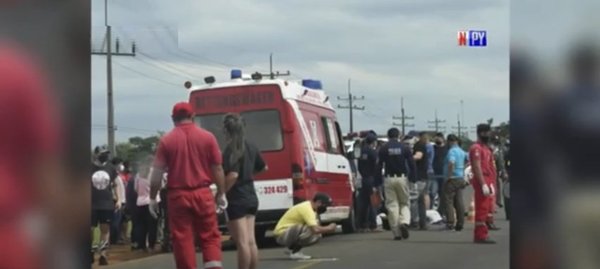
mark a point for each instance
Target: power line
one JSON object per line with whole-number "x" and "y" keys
{"x": 350, "y": 99}
{"x": 168, "y": 50}
{"x": 190, "y": 76}
{"x": 147, "y": 76}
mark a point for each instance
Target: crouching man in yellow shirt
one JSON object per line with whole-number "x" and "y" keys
{"x": 299, "y": 226}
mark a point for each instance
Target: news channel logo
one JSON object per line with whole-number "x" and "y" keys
{"x": 472, "y": 38}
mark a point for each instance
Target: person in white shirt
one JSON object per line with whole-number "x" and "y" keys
{"x": 146, "y": 224}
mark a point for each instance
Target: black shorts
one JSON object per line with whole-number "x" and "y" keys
{"x": 101, "y": 216}
{"x": 239, "y": 211}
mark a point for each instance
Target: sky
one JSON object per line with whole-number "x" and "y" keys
{"x": 388, "y": 48}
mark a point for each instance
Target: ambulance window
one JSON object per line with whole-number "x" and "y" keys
{"x": 332, "y": 141}
{"x": 214, "y": 124}
{"x": 263, "y": 128}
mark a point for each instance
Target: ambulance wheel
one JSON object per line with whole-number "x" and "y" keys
{"x": 349, "y": 224}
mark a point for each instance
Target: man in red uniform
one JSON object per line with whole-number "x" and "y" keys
{"x": 192, "y": 157}
{"x": 484, "y": 173}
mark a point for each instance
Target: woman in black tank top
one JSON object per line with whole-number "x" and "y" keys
{"x": 241, "y": 161}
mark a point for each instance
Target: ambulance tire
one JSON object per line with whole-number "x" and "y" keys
{"x": 349, "y": 224}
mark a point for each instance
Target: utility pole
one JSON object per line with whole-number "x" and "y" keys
{"x": 458, "y": 127}
{"x": 461, "y": 129}
{"x": 351, "y": 106}
{"x": 109, "y": 80}
{"x": 272, "y": 74}
{"x": 403, "y": 118}
{"x": 436, "y": 122}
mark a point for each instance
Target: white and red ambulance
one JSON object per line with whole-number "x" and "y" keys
{"x": 294, "y": 125}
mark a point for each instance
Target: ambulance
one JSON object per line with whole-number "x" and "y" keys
{"x": 295, "y": 127}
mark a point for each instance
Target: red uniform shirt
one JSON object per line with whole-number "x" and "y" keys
{"x": 482, "y": 153}
{"x": 188, "y": 154}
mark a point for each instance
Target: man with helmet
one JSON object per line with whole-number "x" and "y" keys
{"x": 104, "y": 203}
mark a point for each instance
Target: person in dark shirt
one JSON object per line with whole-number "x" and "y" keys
{"x": 104, "y": 203}
{"x": 241, "y": 161}
{"x": 400, "y": 168}
{"x": 440, "y": 151}
{"x": 367, "y": 165}
{"x": 421, "y": 157}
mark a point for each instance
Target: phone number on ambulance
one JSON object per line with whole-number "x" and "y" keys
{"x": 272, "y": 189}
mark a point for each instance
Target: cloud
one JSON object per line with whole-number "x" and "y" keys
{"x": 388, "y": 48}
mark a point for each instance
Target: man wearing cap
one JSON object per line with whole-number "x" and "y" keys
{"x": 482, "y": 165}
{"x": 454, "y": 184}
{"x": 104, "y": 204}
{"x": 299, "y": 226}
{"x": 193, "y": 160}
{"x": 367, "y": 165}
{"x": 400, "y": 168}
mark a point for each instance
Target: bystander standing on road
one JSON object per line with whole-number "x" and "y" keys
{"x": 241, "y": 162}
{"x": 397, "y": 160}
{"x": 482, "y": 164}
{"x": 193, "y": 160}
{"x": 440, "y": 152}
{"x": 146, "y": 223}
{"x": 367, "y": 165}
{"x": 455, "y": 183}
{"x": 421, "y": 157}
{"x": 104, "y": 202}
{"x": 119, "y": 194}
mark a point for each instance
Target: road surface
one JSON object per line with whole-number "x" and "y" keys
{"x": 433, "y": 249}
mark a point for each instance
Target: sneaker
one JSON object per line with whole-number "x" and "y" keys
{"x": 492, "y": 227}
{"x": 458, "y": 228}
{"x": 450, "y": 227}
{"x": 397, "y": 238}
{"x": 486, "y": 241}
{"x": 404, "y": 231}
{"x": 299, "y": 256}
{"x": 103, "y": 261}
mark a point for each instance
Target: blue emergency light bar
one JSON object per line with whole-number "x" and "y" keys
{"x": 236, "y": 73}
{"x": 313, "y": 84}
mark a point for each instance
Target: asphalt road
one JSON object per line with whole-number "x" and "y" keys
{"x": 433, "y": 249}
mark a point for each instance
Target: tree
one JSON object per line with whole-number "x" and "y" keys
{"x": 137, "y": 148}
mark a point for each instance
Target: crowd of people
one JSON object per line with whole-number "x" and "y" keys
{"x": 172, "y": 188}
{"x": 417, "y": 177}
{"x": 120, "y": 201}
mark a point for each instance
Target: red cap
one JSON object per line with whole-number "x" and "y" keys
{"x": 182, "y": 109}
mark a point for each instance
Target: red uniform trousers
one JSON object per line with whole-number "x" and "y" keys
{"x": 483, "y": 205}
{"x": 192, "y": 213}
{"x": 490, "y": 215}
